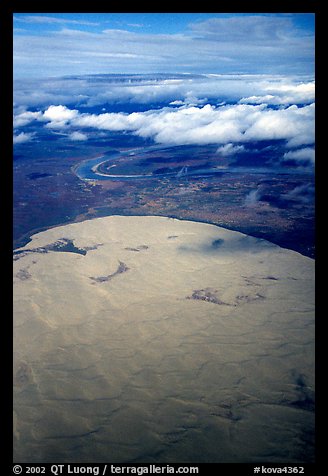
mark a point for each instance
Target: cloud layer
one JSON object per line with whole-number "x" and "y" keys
{"x": 223, "y": 125}
{"x": 230, "y": 111}
{"x": 176, "y": 90}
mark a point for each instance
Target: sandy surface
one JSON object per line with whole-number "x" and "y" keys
{"x": 159, "y": 340}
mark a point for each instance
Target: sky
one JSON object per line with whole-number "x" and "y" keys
{"x": 172, "y": 78}
{"x": 54, "y": 45}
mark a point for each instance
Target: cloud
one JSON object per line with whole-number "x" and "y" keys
{"x": 174, "y": 90}
{"x": 78, "y": 136}
{"x": 226, "y": 124}
{"x": 74, "y": 51}
{"x": 26, "y": 117}
{"x": 306, "y": 154}
{"x": 253, "y": 197}
{"x": 229, "y": 149}
{"x": 59, "y": 116}
{"x": 22, "y": 137}
{"x": 294, "y": 124}
{"x": 301, "y": 194}
{"x": 284, "y": 94}
{"x": 253, "y": 28}
{"x": 38, "y": 19}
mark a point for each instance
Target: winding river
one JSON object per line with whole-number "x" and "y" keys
{"x": 89, "y": 169}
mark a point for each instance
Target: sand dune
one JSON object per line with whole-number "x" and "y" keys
{"x": 149, "y": 339}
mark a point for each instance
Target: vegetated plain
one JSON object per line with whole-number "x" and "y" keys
{"x": 245, "y": 193}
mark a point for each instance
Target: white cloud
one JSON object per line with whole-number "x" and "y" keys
{"x": 59, "y": 113}
{"x": 22, "y": 137}
{"x": 294, "y": 124}
{"x": 284, "y": 93}
{"x": 26, "y": 117}
{"x": 59, "y": 116}
{"x": 78, "y": 136}
{"x": 208, "y": 125}
{"x": 230, "y": 149}
{"x": 254, "y": 89}
{"x": 173, "y": 90}
{"x": 250, "y": 29}
{"x": 38, "y": 19}
{"x": 304, "y": 154}
{"x": 226, "y": 124}
{"x": 55, "y": 116}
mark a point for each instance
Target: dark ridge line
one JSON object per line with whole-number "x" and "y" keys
{"x": 122, "y": 268}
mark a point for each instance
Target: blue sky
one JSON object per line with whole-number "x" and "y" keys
{"x": 54, "y": 45}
